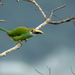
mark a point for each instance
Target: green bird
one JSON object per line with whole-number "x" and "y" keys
{"x": 22, "y": 33}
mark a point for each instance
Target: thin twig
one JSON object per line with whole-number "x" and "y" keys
{"x": 55, "y": 10}
{"x": 47, "y": 20}
{"x": 74, "y": 23}
{"x": 63, "y": 21}
{"x": 34, "y": 2}
{"x": 1, "y": 2}
{"x": 43, "y": 74}
{"x": 53, "y": 15}
{"x": 72, "y": 71}
{"x": 27, "y": 0}
{"x": 39, "y": 72}
{"x": 49, "y": 70}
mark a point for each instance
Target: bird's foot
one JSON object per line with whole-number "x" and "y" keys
{"x": 19, "y": 42}
{"x": 25, "y": 40}
{"x": 22, "y": 40}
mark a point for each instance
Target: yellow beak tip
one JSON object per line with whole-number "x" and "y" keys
{"x": 38, "y": 32}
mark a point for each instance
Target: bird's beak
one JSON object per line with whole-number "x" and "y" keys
{"x": 37, "y": 32}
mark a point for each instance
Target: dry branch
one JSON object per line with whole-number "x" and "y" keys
{"x": 55, "y": 10}
{"x": 74, "y": 23}
{"x": 12, "y": 49}
{"x": 17, "y": 0}
{"x": 34, "y": 2}
{"x": 42, "y": 73}
{"x": 39, "y": 72}
{"x": 47, "y": 21}
{"x": 62, "y": 21}
{"x": 72, "y": 71}
{"x": 53, "y": 15}
{"x": 1, "y": 2}
{"x": 49, "y": 70}
{"x": 2, "y": 20}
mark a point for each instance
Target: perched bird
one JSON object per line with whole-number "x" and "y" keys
{"x": 22, "y": 33}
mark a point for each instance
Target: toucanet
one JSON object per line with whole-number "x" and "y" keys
{"x": 22, "y": 33}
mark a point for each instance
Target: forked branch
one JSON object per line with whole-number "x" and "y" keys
{"x": 42, "y": 73}
{"x": 17, "y": 0}
{"x": 47, "y": 21}
{"x": 55, "y": 10}
{"x": 38, "y": 72}
{"x": 34, "y": 2}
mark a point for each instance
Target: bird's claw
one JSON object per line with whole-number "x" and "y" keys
{"x": 22, "y": 40}
{"x": 20, "y": 43}
{"x": 26, "y": 40}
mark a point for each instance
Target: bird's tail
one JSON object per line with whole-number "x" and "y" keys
{"x": 4, "y": 30}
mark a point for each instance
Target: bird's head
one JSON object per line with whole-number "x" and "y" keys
{"x": 34, "y": 31}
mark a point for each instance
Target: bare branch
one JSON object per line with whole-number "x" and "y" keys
{"x": 49, "y": 70}
{"x": 39, "y": 72}
{"x": 53, "y": 15}
{"x": 72, "y": 71}
{"x": 58, "y": 22}
{"x": 47, "y": 20}
{"x": 2, "y": 21}
{"x": 43, "y": 74}
{"x": 72, "y": 15}
{"x": 17, "y": 0}
{"x": 34, "y": 2}
{"x": 1, "y": 2}
{"x": 73, "y": 23}
{"x": 12, "y": 49}
{"x": 55, "y": 10}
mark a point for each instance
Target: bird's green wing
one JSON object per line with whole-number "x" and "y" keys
{"x": 18, "y": 31}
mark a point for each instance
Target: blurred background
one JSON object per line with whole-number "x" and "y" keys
{"x": 55, "y": 49}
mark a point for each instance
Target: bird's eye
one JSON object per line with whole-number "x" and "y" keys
{"x": 31, "y": 30}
